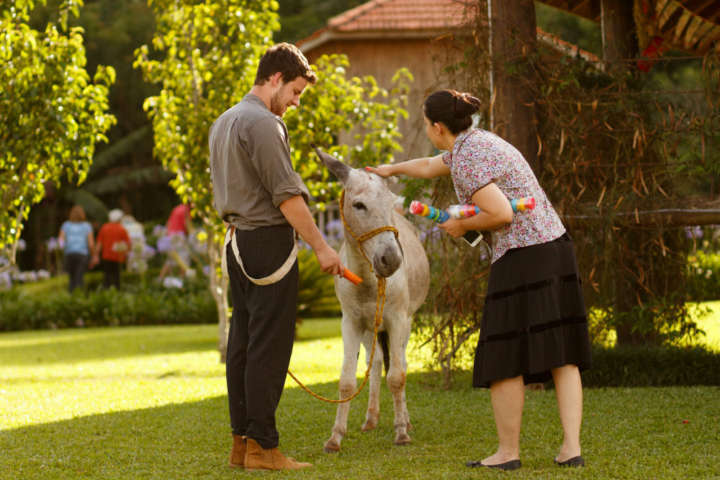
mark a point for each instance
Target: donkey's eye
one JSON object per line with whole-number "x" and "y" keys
{"x": 359, "y": 206}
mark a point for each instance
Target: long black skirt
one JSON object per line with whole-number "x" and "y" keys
{"x": 534, "y": 318}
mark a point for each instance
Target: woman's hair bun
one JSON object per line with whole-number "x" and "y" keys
{"x": 465, "y": 104}
{"x": 452, "y": 108}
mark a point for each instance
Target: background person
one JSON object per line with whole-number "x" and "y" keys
{"x": 177, "y": 229}
{"x": 257, "y": 192}
{"x": 534, "y": 324}
{"x": 76, "y": 237}
{"x": 179, "y": 220}
{"x": 112, "y": 245}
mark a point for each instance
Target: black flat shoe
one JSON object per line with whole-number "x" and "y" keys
{"x": 511, "y": 465}
{"x": 572, "y": 462}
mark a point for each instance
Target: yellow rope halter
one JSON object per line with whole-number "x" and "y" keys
{"x": 379, "y": 305}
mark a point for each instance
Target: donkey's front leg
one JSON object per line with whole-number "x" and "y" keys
{"x": 398, "y": 335}
{"x": 373, "y": 411}
{"x": 351, "y": 345}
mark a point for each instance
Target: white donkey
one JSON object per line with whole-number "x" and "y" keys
{"x": 401, "y": 259}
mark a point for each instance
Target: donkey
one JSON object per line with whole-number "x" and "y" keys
{"x": 401, "y": 259}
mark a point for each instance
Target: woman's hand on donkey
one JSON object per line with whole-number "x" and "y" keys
{"x": 382, "y": 170}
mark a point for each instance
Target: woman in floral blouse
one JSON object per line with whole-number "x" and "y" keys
{"x": 534, "y": 324}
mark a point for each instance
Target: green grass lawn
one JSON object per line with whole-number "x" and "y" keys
{"x": 127, "y": 403}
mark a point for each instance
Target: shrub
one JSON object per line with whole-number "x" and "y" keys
{"x": 141, "y": 301}
{"x": 153, "y": 306}
{"x": 652, "y": 367}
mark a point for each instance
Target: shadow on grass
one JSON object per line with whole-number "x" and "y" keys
{"x": 192, "y": 440}
{"x": 147, "y": 443}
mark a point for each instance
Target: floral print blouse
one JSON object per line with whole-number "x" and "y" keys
{"x": 480, "y": 157}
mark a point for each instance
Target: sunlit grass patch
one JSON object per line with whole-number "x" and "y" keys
{"x": 710, "y": 324}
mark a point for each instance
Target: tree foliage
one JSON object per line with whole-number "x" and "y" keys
{"x": 354, "y": 118}
{"x": 207, "y": 58}
{"x": 613, "y": 148}
{"x": 614, "y": 144}
{"x": 300, "y": 18}
{"x": 209, "y": 53}
{"x": 52, "y": 113}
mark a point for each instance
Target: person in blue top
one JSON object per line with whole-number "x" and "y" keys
{"x": 76, "y": 238}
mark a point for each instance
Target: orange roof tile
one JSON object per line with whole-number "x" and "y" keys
{"x": 405, "y": 15}
{"x": 568, "y": 48}
{"x": 416, "y": 16}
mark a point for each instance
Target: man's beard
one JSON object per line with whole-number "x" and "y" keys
{"x": 275, "y": 106}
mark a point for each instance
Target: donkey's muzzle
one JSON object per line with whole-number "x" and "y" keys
{"x": 387, "y": 260}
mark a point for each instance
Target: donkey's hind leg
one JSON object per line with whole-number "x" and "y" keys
{"x": 351, "y": 345}
{"x": 373, "y": 411}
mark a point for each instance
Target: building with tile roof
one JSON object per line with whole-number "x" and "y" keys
{"x": 381, "y": 36}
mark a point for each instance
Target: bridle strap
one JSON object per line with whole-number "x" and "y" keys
{"x": 360, "y": 239}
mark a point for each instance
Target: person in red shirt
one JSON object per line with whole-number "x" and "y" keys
{"x": 177, "y": 228}
{"x": 179, "y": 220}
{"x": 112, "y": 245}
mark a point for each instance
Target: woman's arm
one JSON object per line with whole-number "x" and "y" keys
{"x": 424, "y": 167}
{"x": 496, "y": 212}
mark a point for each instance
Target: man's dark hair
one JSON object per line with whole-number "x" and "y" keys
{"x": 286, "y": 59}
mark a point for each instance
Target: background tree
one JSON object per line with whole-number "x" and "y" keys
{"x": 300, "y": 18}
{"x": 613, "y": 146}
{"x": 208, "y": 54}
{"x": 53, "y": 115}
{"x": 124, "y": 173}
{"x": 352, "y": 118}
{"x": 208, "y": 67}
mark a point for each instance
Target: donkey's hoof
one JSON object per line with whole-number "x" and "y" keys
{"x": 368, "y": 425}
{"x": 402, "y": 439}
{"x": 331, "y": 446}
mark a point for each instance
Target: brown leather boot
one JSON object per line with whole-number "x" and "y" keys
{"x": 237, "y": 454}
{"x": 258, "y": 458}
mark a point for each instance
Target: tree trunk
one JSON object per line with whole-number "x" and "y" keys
{"x": 513, "y": 36}
{"x": 619, "y": 38}
{"x": 219, "y": 290}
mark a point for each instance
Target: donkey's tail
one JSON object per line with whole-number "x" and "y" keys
{"x": 383, "y": 339}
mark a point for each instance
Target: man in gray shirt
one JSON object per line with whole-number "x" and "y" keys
{"x": 261, "y": 197}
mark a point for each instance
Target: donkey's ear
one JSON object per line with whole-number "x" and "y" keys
{"x": 336, "y": 167}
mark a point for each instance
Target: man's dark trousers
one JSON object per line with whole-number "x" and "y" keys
{"x": 262, "y": 330}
